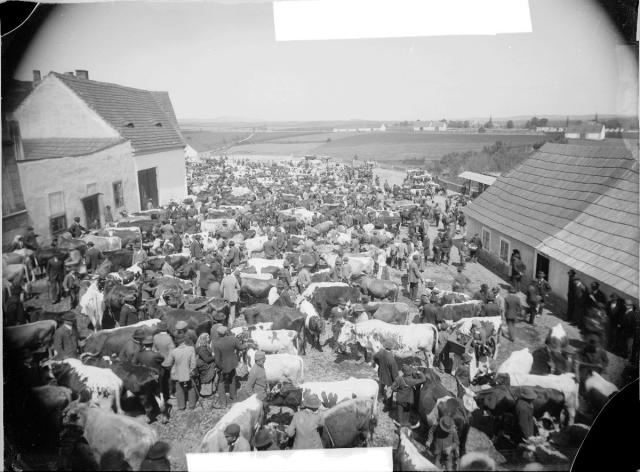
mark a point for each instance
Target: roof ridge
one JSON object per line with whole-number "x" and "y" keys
{"x": 79, "y": 80}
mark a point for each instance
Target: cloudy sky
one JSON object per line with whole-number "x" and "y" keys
{"x": 222, "y": 60}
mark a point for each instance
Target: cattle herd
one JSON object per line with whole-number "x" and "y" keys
{"x": 320, "y": 254}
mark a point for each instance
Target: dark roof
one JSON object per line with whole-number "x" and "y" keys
{"x": 47, "y": 148}
{"x": 590, "y": 127}
{"x": 574, "y": 203}
{"x": 143, "y": 117}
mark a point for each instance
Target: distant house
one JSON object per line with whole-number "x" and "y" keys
{"x": 565, "y": 207}
{"x": 430, "y": 126}
{"x": 549, "y": 129}
{"x": 592, "y": 130}
{"x": 383, "y": 127}
{"x": 88, "y": 144}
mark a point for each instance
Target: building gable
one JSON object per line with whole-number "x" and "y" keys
{"x": 52, "y": 110}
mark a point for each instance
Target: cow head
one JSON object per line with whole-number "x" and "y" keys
{"x": 346, "y": 333}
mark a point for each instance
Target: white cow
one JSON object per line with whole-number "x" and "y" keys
{"x": 276, "y": 341}
{"x": 333, "y": 392}
{"x": 279, "y": 367}
{"x": 518, "y": 362}
{"x": 105, "y": 386}
{"x": 308, "y": 292}
{"x": 246, "y": 414}
{"x": 566, "y": 383}
{"x": 215, "y": 224}
{"x": 92, "y": 305}
{"x": 260, "y": 263}
{"x": 464, "y": 325}
{"x": 255, "y": 244}
{"x": 412, "y": 337}
{"x": 599, "y": 390}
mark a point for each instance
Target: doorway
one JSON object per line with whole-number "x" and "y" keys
{"x": 542, "y": 264}
{"x": 91, "y": 209}
{"x": 148, "y": 185}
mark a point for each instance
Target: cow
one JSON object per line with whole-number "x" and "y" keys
{"x": 121, "y": 259}
{"x": 325, "y": 298}
{"x": 407, "y": 457}
{"x": 310, "y": 290}
{"x": 565, "y": 383}
{"x": 255, "y": 244}
{"x": 92, "y": 305}
{"x": 279, "y": 367}
{"x": 261, "y": 264}
{"x": 411, "y": 338}
{"x": 108, "y": 342}
{"x": 391, "y": 312}
{"x": 444, "y": 297}
{"x": 350, "y": 423}
{"x": 321, "y": 275}
{"x": 435, "y": 401}
{"x": 275, "y": 341}
{"x": 376, "y": 288}
{"x": 52, "y": 400}
{"x": 114, "y": 294}
{"x": 105, "y": 431}
{"x": 104, "y": 243}
{"x": 196, "y": 320}
{"x": 35, "y": 337}
{"x": 457, "y": 311}
{"x": 518, "y": 362}
{"x": 255, "y": 291}
{"x": 598, "y": 390}
{"x": 331, "y": 393}
{"x": 262, "y": 312}
{"x": 247, "y": 414}
{"x": 104, "y": 386}
{"x": 314, "y": 325}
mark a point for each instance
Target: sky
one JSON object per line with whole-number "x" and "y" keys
{"x": 222, "y": 60}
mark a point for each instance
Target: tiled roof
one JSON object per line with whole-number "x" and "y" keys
{"x": 143, "y": 117}
{"x": 576, "y": 204}
{"x": 47, "y": 148}
{"x": 586, "y": 128}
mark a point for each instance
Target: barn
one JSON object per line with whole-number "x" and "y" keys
{"x": 565, "y": 207}
{"x": 87, "y": 144}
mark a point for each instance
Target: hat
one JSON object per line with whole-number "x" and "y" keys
{"x": 227, "y": 270}
{"x": 262, "y": 438}
{"x": 77, "y": 218}
{"x": 280, "y": 284}
{"x": 90, "y": 244}
{"x": 232, "y": 430}
{"x": 232, "y": 243}
{"x": 416, "y": 257}
{"x": 358, "y": 308}
{"x": 446, "y": 424}
{"x": 181, "y": 324}
{"x": 260, "y": 355}
{"x": 338, "y": 261}
{"x": 139, "y": 334}
{"x": 484, "y": 287}
{"x": 162, "y": 326}
{"x": 222, "y": 330}
{"x": 528, "y": 393}
{"x": 572, "y": 272}
{"x": 460, "y": 268}
{"x": 147, "y": 340}
{"x": 218, "y": 316}
{"x": 29, "y": 228}
{"x": 490, "y": 297}
{"x": 312, "y": 401}
{"x": 388, "y": 345}
{"x": 69, "y": 316}
{"x": 285, "y": 263}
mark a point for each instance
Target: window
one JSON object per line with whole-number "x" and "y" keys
{"x": 486, "y": 239}
{"x": 56, "y": 203}
{"x": 118, "y": 194}
{"x": 58, "y": 224}
{"x": 505, "y": 249}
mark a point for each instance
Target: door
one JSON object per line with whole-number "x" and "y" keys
{"x": 91, "y": 209}
{"x": 542, "y": 264}
{"x": 148, "y": 185}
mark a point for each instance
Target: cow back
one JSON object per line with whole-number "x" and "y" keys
{"x": 346, "y": 422}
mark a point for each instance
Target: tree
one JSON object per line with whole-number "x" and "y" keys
{"x": 510, "y": 124}
{"x": 482, "y": 130}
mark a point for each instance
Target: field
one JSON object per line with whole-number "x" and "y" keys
{"x": 202, "y": 140}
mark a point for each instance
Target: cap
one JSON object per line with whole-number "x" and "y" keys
{"x": 222, "y": 330}
{"x": 262, "y": 438}
{"x": 69, "y": 316}
{"x": 260, "y": 355}
{"x": 77, "y": 218}
{"x": 162, "y": 326}
{"x": 280, "y": 284}
{"x": 232, "y": 243}
{"x": 285, "y": 263}
{"x": 218, "y": 316}
{"x": 365, "y": 299}
{"x": 29, "y": 228}
{"x": 416, "y": 257}
{"x": 90, "y": 244}
{"x": 181, "y": 325}
{"x": 387, "y": 344}
{"x": 358, "y": 308}
{"x": 446, "y": 424}
{"x": 139, "y": 334}
{"x": 312, "y": 401}
{"x": 572, "y": 272}
{"x": 528, "y": 393}
{"x": 232, "y": 429}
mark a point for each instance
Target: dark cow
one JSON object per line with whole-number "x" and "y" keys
{"x": 68, "y": 243}
{"x": 146, "y": 226}
{"x": 429, "y": 394}
{"x": 114, "y": 294}
{"x": 33, "y": 337}
{"x": 348, "y": 424}
{"x": 549, "y": 361}
{"x": 376, "y": 288}
{"x": 196, "y": 320}
{"x": 120, "y": 259}
{"x": 110, "y": 342}
{"x": 325, "y": 298}
{"x": 45, "y": 253}
{"x": 255, "y": 290}
{"x": 394, "y": 313}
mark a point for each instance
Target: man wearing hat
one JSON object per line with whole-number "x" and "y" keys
{"x": 230, "y": 288}
{"x": 71, "y": 283}
{"x": 491, "y": 308}
{"x": 460, "y": 281}
{"x": 93, "y": 256}
{"x": 532, "y": 300}
{"x": 408, "y": 378}
{"x": 263, "y": 441}
{"x": 167, "y": 268}
{"x": 156, "y": 460}
{"x": 512, "y": 311}
{"x": 132, "y": 346}
{"x": 182, "y": 361}
{"x": 444, "y": 443}
{"x": 475, "y": 244}
{"x": 235, "y": 442}
{"x": 431, "y": 313}
{"x": 139, "y": 254}
{"x": 284, "y": 274}
{"x": 76, "y": 228}
{"x": 437, "y": 249}
{"x": 128, "y": 312}
{"x": 31, "y": 239}
{"x": 524, "y": 414}
{"x": 55, "y": 274}
{"x": 65, "y": 341}
{"x": 162, "y": 341}
{"x": 387, "y": 373}
{"x": 544, "y": 288}
{"x": 482, "y": 294}
{"x": 445, "y": 247}
{"x": 205, "y": 277}
{"x": 414, "y": 277}
{"x": 305, "y": 424}
{"x": 219, "y": 319}
{"x": 359, "y": 313}
{"x": 233, "y": 256}
{"x": 224, "y": 352}
{"x": 463, "y": 372}
{"x": 195, "y": 248}
{"x": 287, "y": 295}
{"x": 257, "y": 380}
{"x": 149, "y": 358}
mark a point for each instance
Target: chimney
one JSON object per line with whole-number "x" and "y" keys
{"x": 69, "y": 73}
{"x": 36, "y": 78}
{"x": 82, "y": 74}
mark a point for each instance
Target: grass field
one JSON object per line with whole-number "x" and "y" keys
{"x": 209, "y": 140}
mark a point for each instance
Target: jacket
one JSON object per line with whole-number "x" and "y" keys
{"x": 257, "y": 382}
{"x": 128, "y": 315}
{"x": 233, "y": 257}
{"x": 512, "y": 307}
{"x": 241, "y": 445}
{"x": 387, "y": 366}
{"x": 414, "y": 273}
{"x": 491, "y": 309}
{"x": 230, "y": 287}
{"x": 182, "y": 361}
{"x": 65, "y": 343}
{"x": 195, "y": 249}
{"x": 205, "y": 363}
{"x": 93, "y": 257}
{"x": 304, "y": 426}
{"x": 404, "y": 384}
{"x": 224, "y": 351}
{"x": 55, "y": 270}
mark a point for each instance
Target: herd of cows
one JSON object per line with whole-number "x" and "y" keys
{"x": 93, "y": 394}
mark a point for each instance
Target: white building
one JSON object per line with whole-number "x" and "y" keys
{"x": 593, "y": 131}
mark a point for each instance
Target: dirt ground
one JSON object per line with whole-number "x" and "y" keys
{"x": 186, "y": 429}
